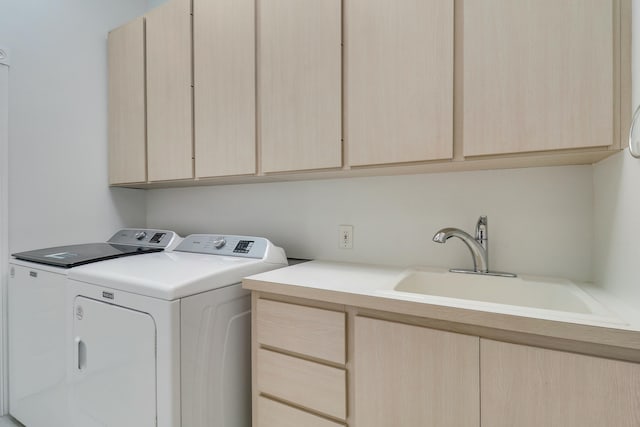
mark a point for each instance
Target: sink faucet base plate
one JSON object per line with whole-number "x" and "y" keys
{"x": 488, "y": 273}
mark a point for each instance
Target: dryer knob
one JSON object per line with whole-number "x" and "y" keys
{"x": 219, "y": 242}
{"x": 141, "y": 235}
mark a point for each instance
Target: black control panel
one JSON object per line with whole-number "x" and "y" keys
{"x": 157, "y": 237}
{"x": 243, "y": 247}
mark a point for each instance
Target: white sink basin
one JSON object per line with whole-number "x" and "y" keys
{"x": 540, "y": 293}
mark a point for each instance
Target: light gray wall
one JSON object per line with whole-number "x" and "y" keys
{"x": 4, "y": 247}
{"x": 617, "y": 207}
{"x": 636, "y": 52}
{"x": 540, "y": 219}
{"x": 4, "y": 165}
{"x": 58, "y": 190}
{"x": 155, "y": 3}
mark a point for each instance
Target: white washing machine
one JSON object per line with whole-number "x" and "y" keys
{"x": 164, "y": 339}
{"x": 37, "y": 322}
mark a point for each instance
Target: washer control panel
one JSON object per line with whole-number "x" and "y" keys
{"x": 216, "y": 244}
{"x": 144, "y": 237}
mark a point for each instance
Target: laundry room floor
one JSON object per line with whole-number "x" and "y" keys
{"x": 8, "y": 422}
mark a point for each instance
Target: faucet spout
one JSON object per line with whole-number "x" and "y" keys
{"x": 478, "y": 245}
{"x": 478, "y": 252}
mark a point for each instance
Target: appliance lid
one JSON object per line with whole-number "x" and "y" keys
{"x": 200, "y": 263}
{"x": 170, "y": 275}
{"x": 75, "y": 255}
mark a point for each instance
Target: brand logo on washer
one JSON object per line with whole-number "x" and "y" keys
{"x": 79, "y": 312}
{"x": 107, "y": 295}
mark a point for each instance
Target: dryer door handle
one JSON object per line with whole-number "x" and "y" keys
{"x": 81, "y": 353}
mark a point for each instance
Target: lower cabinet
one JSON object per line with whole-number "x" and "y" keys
{"x": 413, "y": 376}
{"x": 319, "y": 367}
{"x": 528, "y": 386}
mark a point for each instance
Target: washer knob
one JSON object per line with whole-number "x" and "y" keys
{"x": 219, "y": 242}
{"x": 140, "y": 235}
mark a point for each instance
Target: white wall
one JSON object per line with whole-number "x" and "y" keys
{"x": 155, "y": 3}
{"x": 4, "y": 164}
{"x": 635, "y": 73}
{"x": 4, "y": 249}
{"x": 58, "y": 122}
{"x": 539, "y": 219}
{"x": 617, "y": 206}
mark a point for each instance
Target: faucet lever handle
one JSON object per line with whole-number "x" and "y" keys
{"x": 482, "y": 231}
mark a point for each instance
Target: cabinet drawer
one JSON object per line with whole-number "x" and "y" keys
{"x": 309, "y": 384}
{"x": 276, "y": 414}
{"x": 309, "y": 331}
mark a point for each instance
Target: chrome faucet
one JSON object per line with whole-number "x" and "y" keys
{"x": 479, "y": 247}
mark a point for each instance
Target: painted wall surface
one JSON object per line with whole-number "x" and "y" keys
{"x": 617, "y": 225}
{"x": 540, "y": 219}
{"x": 4, "y": 247}
{"x": 635, "y": 51}
{"x": 58, "y": 189}
{"x": 4, "y": 165}
{"x": 155, "y": 3}
{"x": 617, "y": 207}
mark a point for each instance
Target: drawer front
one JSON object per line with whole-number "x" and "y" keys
{"x": 276, "y": 414}
{"x": 309, "y": 331}
{"x": 309, "y": 384}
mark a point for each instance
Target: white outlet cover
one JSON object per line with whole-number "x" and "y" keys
{"x": 345, "y": 243}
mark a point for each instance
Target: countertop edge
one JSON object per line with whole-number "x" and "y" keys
{"x": 589, "y": 334}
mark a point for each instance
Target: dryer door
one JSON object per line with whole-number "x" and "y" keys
{"x": 114, "y": 366}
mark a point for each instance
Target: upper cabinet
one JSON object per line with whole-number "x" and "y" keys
{"x": 538, "y": 75}
{"x": 224, "y": 87}
{"x": 127, "y": 132}
{"x": 399, "y": 80}
{"x": 250, "y": 90}
{"x": 169, "y": 92}
{"x": 300, "y": 84}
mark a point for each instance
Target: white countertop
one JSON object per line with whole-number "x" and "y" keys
{"x": 371, "y": 287}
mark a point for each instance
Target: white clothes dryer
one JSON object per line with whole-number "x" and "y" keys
{"x": 165, "y": 339}
{"x": 37, "y": 319}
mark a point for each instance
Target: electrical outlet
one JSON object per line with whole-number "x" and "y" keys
{"x": 346, "y": 237}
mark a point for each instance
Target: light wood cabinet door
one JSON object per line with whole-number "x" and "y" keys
{"x": 528, "y": 386}
{"x": 300, "y": 84}
{"x": 399, "y": 80}
{"x": 127, "y": 114}
{"x": 169, "y": 92}
{"x": 224, "y": 87}
{"x": 413, "y": 376}
{"x": 538, "y": 75}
